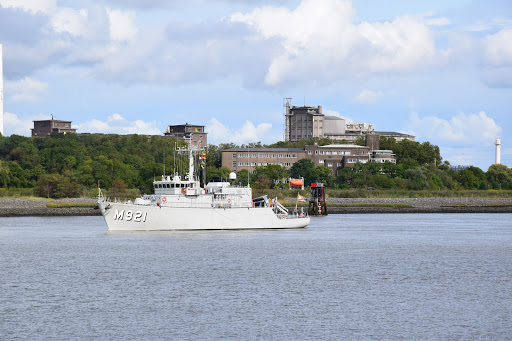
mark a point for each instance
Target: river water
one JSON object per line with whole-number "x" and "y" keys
{"x": 391, "y": 276}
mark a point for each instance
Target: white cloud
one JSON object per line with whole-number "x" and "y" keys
{"x": 32, "y": 6}
{"x": 25, "y": 90}
{"x": 20, "y": 126}
{"x": 117, "y": 124}
{"x": 71, "y": 21}
{"x": 332, "y": 45}
{"x": 472, "y": 129}
{"x": 497, "y": 58}
{"x": 368, "y": 96}
{"x": 498, "y": 49}
{"x": 122, "y": 26}
{"x": 328, "y": 112}
{"x": 219, "y": 133}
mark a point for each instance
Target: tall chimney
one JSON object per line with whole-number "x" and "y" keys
{"x": 497, "y": 143}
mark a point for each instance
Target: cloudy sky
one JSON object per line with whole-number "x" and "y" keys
{"x": 440, "y": 70}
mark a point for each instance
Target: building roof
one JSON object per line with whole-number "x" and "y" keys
{"x": 52, "y": 120}
{"x": 343, "y": 146}
{"x": 391, "y": 133}
{"x": 239, "y": 149}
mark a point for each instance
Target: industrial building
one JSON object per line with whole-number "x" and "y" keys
{"x": 334, "y": 156}
{"x": 46, "y": 127}
{"x": 302, "y": 122}
{"x": 306, "y": 122}
{"x": 195, "y": 132}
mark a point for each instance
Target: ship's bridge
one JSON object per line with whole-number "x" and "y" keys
{"x": 176, "y": 186}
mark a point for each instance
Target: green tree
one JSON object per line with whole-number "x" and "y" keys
{"x": 324, "y": 175}
{"x": 4, "y": 174}
{"x": 269, "y": 175}
{"x": 242, "y": 176}
{"x": 500, "y": 177}
{"x": 472, "y": 178}
{"x": 303, "y": 168}
{"x": 47, "y": 185}
{"x": 118, "y": 189}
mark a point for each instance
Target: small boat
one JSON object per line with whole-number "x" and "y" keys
{"x": 182, "y": 204}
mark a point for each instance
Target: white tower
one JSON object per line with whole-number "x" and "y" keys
{"x": 1, "y": 93}
{"x": 498, "y": 150}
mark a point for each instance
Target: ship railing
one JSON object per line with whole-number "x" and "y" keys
{"x": 278, "y": 208}
{"x": 215, "y": 204}
{"x": 299, "y": 213}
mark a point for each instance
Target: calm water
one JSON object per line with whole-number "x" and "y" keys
{"x": 403, "y": 276}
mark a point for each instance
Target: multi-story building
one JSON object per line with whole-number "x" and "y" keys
{"x": 195, "y": 132}
{"x": 334, "y": 156}
{"x": 46, "y": 127}
{"x": 303, "y": 122}
{"x": 248, "y": 158}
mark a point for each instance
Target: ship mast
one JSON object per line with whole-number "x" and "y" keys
{"x": 191, "y": 176}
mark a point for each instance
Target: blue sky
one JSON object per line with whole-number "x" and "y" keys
{"x": 440, "y": 70}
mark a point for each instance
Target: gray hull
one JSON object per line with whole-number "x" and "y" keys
{"x": 130, "y": 217}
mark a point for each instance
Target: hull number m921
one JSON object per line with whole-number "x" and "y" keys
{"x": 128, "y": 215}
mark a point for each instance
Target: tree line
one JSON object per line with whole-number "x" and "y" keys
{"x": 63, "y": 165}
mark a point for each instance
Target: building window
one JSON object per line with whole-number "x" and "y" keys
{"x": 321, "y": 162}
{"x": 234, "y": 164}
{"x": 329, "y": 164}
{"x": 234, "y": 156}
{"x": 310, "y": 152}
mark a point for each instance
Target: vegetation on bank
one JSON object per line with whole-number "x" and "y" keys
{"x": 60, "y": 204}
{"x": 353, "y": 204}
{"x": 125, "y": 166}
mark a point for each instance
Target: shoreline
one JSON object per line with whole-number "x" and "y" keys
{"x": 14, "y": 207}
{"x": 422, "y": 205}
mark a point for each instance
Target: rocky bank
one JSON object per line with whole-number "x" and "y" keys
{"x": 12, "y": 207}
